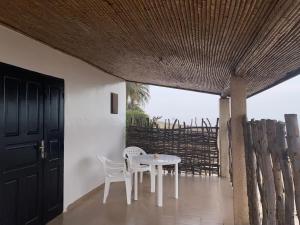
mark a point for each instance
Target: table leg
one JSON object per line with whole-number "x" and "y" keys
{"x": 160, "y": 187}
{"x": 176, "y": 180}
{"x": 152, "y": 179}
{"x": 136, "y": 185}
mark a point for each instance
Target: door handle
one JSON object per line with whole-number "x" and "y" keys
{"x": 42, "y": 149}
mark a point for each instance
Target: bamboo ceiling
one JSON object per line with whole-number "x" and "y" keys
{"x": 190, "y": 44}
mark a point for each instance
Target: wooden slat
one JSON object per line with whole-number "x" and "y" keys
{"x": 189, "y": 44}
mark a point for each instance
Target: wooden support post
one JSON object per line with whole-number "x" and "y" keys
{"x": 293, "y": 140}
{"x": 238, "y": 112}
{"x": 224, "y": 114}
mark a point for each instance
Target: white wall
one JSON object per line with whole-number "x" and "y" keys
{"x": 89, "y": 126}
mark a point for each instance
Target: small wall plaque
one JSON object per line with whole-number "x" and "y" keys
{"x": 114, "y": 103}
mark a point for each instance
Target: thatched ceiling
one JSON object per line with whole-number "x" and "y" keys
{"x": 190, "y": 44}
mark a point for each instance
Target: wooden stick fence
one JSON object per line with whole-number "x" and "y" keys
{"x": 197, "y": 146}
{"x": 273, "y": 170}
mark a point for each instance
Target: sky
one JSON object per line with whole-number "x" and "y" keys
{"x": 187, "y": 105}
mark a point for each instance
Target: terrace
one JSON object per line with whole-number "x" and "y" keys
{"x": 203, "y": 200}
{"x": 69, "y": 57}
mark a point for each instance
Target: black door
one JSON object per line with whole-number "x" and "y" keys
{"x": 31, "y": 173}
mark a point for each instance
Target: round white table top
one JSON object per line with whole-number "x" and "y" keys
{"x": 162, "y": 159}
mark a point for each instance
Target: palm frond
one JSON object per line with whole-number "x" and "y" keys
{"x": 136, "y": 94}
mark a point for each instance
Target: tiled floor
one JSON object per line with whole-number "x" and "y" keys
{"x": 202, "y": 200}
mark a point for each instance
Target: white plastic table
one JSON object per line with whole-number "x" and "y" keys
{"x": 161, "y": 161}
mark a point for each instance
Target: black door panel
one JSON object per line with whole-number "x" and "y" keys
{"x": 31, "y": 110}
{"x": 12, "y": 106}
{"x": 54, "y": 143}
{"x": 21, "y": 166}
{"x": 18, "y": 156}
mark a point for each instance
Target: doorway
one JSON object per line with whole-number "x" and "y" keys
{"x": 31, "y": 146}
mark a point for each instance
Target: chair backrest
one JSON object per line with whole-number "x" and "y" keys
{"x": 132, "y": 151}
{"x": 103, "y": 161}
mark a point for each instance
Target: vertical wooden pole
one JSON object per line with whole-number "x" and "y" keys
{"x": 251, "y": 165}
{"x": 224, "y": 114}
{"x": 289, "y": 195}
{"x": 238, "y": 112}
{"x": 293, "y": 140}
{"x": 274, "y": 149}
{"x": 268, "y": 194}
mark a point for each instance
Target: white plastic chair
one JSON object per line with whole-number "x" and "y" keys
{"x": 115, "y": 172}
{"x": 130, "y": 152}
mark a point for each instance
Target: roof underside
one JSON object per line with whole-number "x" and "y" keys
{"x": 189, "y": 44}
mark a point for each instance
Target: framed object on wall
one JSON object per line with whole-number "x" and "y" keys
{"x": 114, "y": 103}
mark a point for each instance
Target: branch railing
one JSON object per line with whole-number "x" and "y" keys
{"x": 273, "y": 170}
{"x": 197, "y": 146}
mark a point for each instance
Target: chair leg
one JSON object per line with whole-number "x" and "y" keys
{"x": 106, "y": 190}
{"x": 132, "y": 180}
{"x": 141, "y": 177}
{"x": 136, "y": 185}
{"x": 128, "y": 191}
